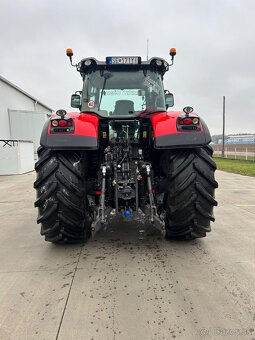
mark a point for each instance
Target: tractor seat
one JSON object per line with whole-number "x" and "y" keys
{"x": 122, "y": 107}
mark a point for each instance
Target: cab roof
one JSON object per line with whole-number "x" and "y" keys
{"x": 127, "y": 63}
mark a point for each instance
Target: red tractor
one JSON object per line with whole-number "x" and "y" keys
{"x": 124, "y": 155}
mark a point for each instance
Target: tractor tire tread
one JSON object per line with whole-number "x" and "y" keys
{"x": 190, "y": 194}
{"x": 61, "y": 196}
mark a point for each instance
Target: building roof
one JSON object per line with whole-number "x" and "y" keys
{"x": 25, "y": 93}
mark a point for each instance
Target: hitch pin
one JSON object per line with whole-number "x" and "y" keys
{"x": 104, "y": 170}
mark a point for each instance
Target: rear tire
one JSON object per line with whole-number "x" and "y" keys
{"x": 61, "y": 197}
{"x": 190, "y": 196}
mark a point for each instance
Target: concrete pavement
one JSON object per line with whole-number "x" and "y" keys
{"x": 120, "y": 287}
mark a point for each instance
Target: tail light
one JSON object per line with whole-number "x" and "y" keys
{"x": 188, "y": 123}
{"x": 63, "y": 123}
{"x": 60, "y": 125}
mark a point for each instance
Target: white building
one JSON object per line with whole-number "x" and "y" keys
{"x": 22, "y": 116}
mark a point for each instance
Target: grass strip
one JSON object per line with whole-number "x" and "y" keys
{"x": 236, "y": 166}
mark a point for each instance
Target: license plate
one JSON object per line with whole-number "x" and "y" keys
{"x": 122, "y": 60}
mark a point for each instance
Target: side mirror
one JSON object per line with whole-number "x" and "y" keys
{"x": 76, "y": 101}
{"x": 169, "y": 98}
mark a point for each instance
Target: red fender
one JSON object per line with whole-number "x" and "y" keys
{"x": 82, "y": 135}
{"x": 166, "y": 134}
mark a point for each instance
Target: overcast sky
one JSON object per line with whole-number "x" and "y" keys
{"x": 215, "y": 42}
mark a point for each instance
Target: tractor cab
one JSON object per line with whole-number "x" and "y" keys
{"x": 122, "y": 87}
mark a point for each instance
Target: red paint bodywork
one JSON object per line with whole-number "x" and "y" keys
{"x": 85, "y": 124}
{"x": 164, "y": 123}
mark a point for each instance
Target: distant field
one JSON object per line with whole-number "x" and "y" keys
{"x": 236, "y": 166}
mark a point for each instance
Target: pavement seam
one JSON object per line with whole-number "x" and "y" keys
{"x": 68, "y": 295}
{"x": 31, "y": 271}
